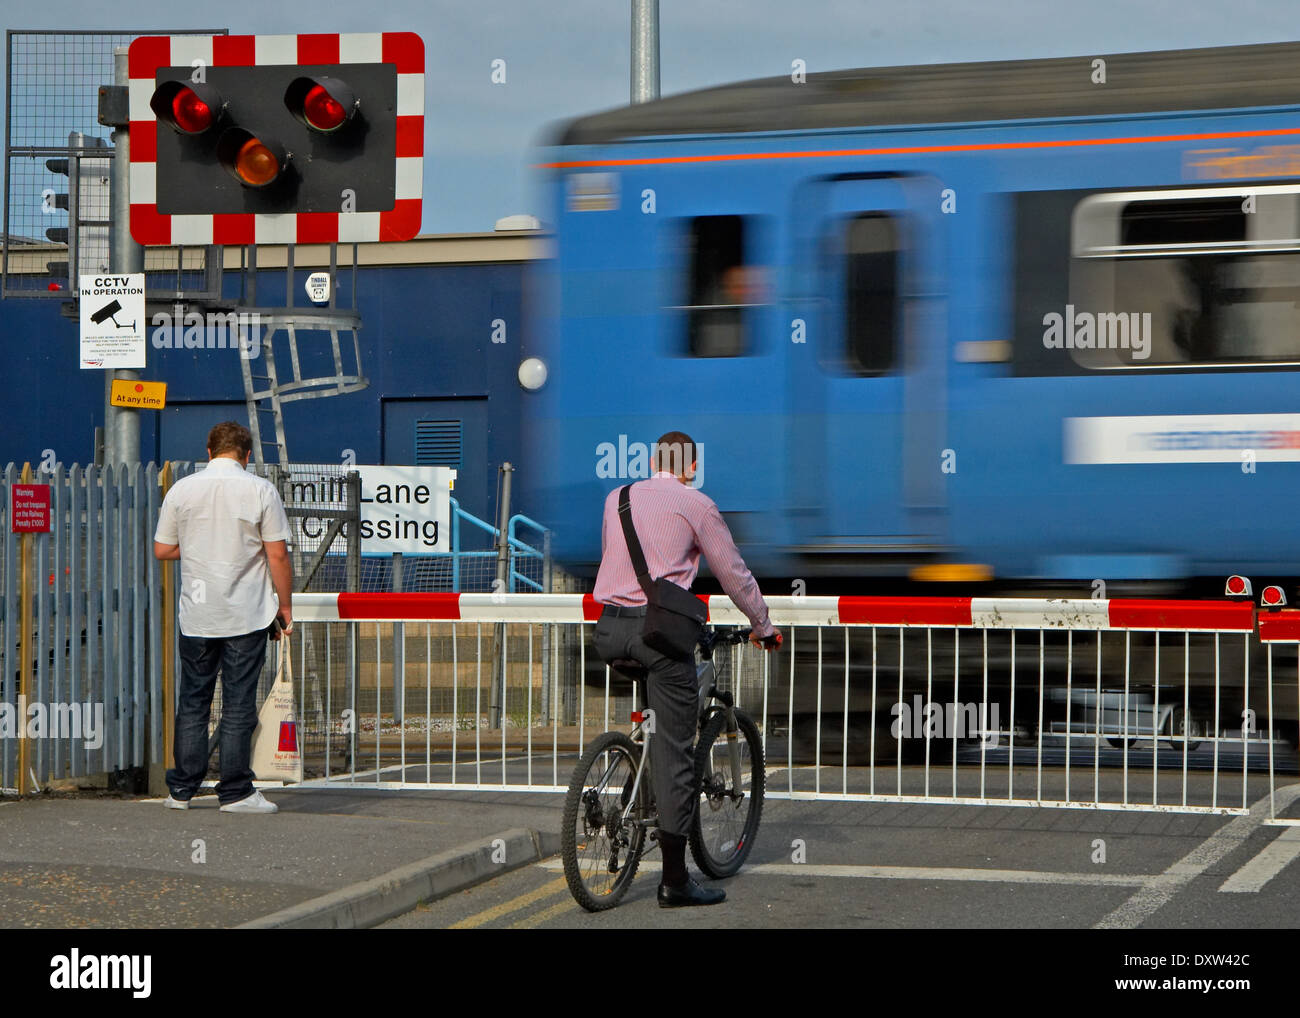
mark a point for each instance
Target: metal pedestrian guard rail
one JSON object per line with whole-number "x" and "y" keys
{"x": 1085, "y": 704}
{"x": 91, "y": 700}
{"x": 88, "y": 644}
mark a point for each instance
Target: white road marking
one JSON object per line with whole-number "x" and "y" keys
{"x": 1157, "y": 892}
{"x": 921, "y": 873}
{"x": 1267, "y": 864}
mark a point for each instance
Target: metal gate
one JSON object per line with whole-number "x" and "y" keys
{"x": 1081, "y": 704}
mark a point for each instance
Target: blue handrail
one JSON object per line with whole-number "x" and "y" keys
{"x": 525, "y": 551}
{"x": 520, "y": 552}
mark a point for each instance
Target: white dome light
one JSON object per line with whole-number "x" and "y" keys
{"x": 532, "y": 373}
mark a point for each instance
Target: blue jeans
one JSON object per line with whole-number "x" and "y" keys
{"x": 239, "y": 660}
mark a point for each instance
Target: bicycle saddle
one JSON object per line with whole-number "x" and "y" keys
{"x": 634, "y": 670}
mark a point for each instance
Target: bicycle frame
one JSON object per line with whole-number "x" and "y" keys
{"x": 604, "y": 803}
{"x": 712, "y": 700}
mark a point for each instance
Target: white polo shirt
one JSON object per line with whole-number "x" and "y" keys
{"x": 220, "y": 516}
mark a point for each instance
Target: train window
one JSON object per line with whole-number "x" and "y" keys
{"x": 871, "y": 248}
{"x": 722, "y": 286}
{"x": 1182, "y": 278}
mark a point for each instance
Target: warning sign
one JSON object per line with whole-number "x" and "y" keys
{"x": 29, "y": 508}
{"x": 141, "y": 395}
{"x": 112, "y": 321}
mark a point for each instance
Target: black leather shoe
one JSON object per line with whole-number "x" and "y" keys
{"x": 689, "y": 893}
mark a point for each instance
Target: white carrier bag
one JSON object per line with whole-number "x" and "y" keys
{"x": 277, "y": 753}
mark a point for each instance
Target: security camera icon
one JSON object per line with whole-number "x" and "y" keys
{"x": 109, "y": 313}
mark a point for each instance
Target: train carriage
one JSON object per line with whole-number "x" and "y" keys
{"x": 1026, "y": 321}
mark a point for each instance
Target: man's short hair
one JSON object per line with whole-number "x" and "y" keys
{"x": 674, "y": 452}
{"x": 230, "y": 436}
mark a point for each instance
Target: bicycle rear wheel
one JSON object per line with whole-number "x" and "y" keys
{"x": 601, "y": 850}
{"x": 726, "y": 818}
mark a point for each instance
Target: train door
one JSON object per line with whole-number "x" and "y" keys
{"x": 875, "y": 332}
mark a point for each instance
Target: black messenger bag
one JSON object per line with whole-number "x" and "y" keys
{"x": 674, "y": 616}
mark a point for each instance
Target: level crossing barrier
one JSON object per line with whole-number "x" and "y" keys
{"x": 1125, "y": 704}
{"x": 1279, "y": 632}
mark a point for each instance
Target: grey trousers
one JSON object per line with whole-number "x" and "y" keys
{"x": 672, "y": 692}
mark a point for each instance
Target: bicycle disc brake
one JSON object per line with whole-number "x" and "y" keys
{"x": 716, "y": 791}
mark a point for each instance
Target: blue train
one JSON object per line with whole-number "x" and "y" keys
{"x": 1012, "y": 321}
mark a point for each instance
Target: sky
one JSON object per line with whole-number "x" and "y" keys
{"x": 564, "y": 58}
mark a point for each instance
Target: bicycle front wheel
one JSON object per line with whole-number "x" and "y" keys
{"x": 600, "y": 846}
{"x": 727, "y": 815}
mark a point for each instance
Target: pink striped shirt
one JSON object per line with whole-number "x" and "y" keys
{"x": 676, "y": 523}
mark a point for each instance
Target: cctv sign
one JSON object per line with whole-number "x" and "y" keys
{"x": 112, "y": 321}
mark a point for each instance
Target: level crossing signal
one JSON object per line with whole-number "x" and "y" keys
{"x": 86, "y": 203}
{"x": 274, "y": 139}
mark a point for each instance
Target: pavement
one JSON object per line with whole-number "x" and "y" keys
{"x": 404, "y": 859}
{"x": 330, "y": 858}
{"x": 870, "y": 865}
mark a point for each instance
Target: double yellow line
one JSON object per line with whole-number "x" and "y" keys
{"x": 548, "y": 890}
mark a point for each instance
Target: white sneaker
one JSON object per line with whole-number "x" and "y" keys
{"x": 255, "y": 803}
{"x": 171, "y": 803}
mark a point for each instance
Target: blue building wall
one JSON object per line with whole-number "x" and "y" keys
{"x": 426, "y": 347}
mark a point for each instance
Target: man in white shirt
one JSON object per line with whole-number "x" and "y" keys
{"x": 229, "y": 530}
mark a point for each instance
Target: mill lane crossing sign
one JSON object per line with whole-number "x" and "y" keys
{"x": 403, "y": 508}
{"x": 112, "y": 321}
{"x": 273, "y": 139}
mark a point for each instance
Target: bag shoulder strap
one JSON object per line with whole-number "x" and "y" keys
{"x": 633, "y": 542}
{"x": 284, "y": 662}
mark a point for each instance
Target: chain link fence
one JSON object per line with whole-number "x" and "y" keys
{"x": 58, "y": 160}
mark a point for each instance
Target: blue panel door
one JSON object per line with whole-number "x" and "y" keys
{"x": 183, "y": 427}
{"x": 421, "y": 431}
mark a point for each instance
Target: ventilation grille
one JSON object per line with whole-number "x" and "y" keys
{"x": 438, "y": 443}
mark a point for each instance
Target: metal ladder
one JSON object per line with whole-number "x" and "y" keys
{"x": 265, "y": 392}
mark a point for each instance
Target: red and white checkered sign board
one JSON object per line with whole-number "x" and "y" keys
{"x": 405, "y": 50}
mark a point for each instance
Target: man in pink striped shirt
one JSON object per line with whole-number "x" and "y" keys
{"x": 675, "y": 524}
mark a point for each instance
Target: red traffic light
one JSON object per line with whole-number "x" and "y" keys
{"x": 192, "y": 115}
{"x": 322, "y": 110}
{"x": 187, "y": 107}
{"x": 1272, "y": 597}
{"x": 323, "y": 104}
{"x": 253, "y": 161}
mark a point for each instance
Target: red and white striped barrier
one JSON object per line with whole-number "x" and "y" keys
{"x": 1279, "y": 626}
{"x": 948, "y": 612}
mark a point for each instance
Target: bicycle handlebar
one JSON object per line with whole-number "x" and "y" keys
{"x": 710, "y": 638}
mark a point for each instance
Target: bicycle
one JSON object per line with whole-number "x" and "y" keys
{"x": 609, "y": 811}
